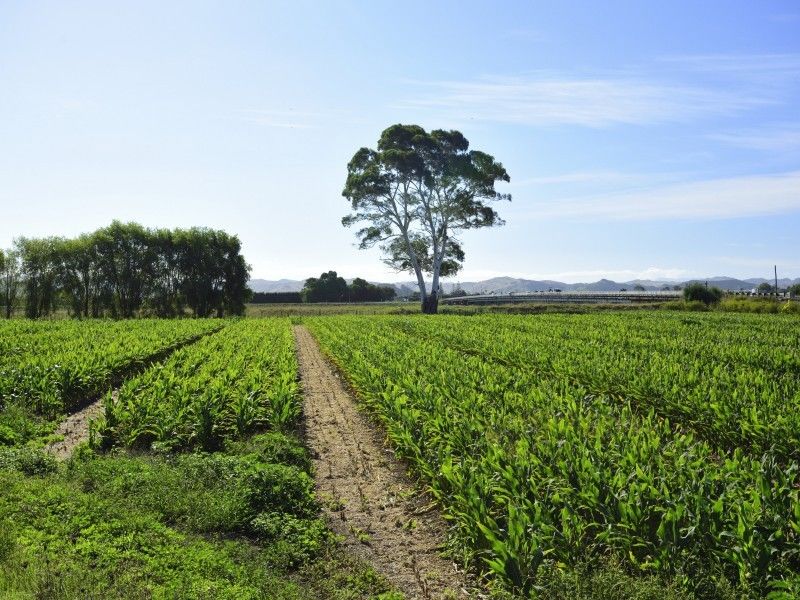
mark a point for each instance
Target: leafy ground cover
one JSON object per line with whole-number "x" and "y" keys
{"x": 561, "y": 451}
{"x": 48, "y": 368}
{"x": 234, "y": 525}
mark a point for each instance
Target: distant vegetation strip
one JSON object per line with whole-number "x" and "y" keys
{"x": 126, "y": 270}
{"x": 541, "y": 475}
{"x": 224, "y": 387}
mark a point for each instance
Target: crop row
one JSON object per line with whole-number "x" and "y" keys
{"x": 732, "y": 379}
{"x": 50, "y": 367}
{"x": 223, "y": 387}
{"x": 539, "y": 472}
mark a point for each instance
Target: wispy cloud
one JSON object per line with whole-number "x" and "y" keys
{"x": 771, "y": 138}
{"x": 785, "y": 65}
{"x": 283, "y": 119}
{"x": 590, "y": 177}
{"x": 672, "y": 89}
{"x": 728, "y": 198}
{"x": 540, "y": 99}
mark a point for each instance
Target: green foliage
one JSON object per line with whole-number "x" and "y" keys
{"x": 298, "y": 539}
{"x": 363, "y": 291}
{"x": 49, "y": 368}
{"x": 8, "y": 437}
{"x": 30, "y": 461}
{"x": 611, "y": 580}
{"x": 329, "y": 287}
{"x": 66, "y": 543}
{"x": 170, "y": 527}
{"x": 416, "y": 193}
{"x": 10, "y": 282}
{"x": 280, "y": 487}
{"x": 274, "y": 447}
{"x": 691, "y": 305}
{"x": 790, "y": 308}
{"x": 766, "y": 288}
{"x": 664, "y": 442}
{"x": 750, "y": 305}
{"x": 125, "y": 269}
{"x": 236, "y": 525}
{"x": 697, "y": 292}
{"x": 224, "y": 387}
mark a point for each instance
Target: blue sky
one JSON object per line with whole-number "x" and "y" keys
{"x": 643, "y": 139}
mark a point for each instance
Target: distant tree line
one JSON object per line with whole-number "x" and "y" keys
{"x": 125, "y": 270}
{"x": 329, "y": 287}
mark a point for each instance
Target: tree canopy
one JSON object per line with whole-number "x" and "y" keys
{"x": 701, "y": 293}
{"x": 766, "y": 288}
{"x": 329, "y": 287}
{"x": 126, "y": 269}
{"x": 9, "y": 280}
{"x": 415, "y": 194}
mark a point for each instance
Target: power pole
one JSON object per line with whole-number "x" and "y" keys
{"x": 776, "y": 282}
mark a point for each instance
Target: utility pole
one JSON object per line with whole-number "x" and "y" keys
{"x": 776, "y": 282}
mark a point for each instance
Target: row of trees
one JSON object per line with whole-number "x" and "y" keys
{"x": 329, "y": 287}
{"x": 125, "y": 270}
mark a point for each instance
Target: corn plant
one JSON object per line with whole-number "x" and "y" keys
{"x": 545, "y": 445}
{"x": 226, "y": 386}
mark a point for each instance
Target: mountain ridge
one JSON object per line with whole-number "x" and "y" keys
{"x": 505, "y": 285}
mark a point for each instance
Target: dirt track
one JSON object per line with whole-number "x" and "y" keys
{"x": 75, "y": 429}
{"x": 369, "y": 500}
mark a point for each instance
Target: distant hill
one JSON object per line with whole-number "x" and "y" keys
{"x": 282, "y": 285}
{"x": 505, "y": 285}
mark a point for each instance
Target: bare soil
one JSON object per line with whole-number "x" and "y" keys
{"x": 75, "y": 430}
{"x": 369, "y": 499}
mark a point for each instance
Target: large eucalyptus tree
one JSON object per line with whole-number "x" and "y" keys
{"x": 415, "y": 194}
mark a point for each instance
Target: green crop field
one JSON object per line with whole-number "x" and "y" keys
{"x": 48, "y": 368}
{"x": 646, "y": 454}
{"x": 665, "y": 444}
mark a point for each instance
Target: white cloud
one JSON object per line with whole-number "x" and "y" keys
{"x": 771, "y": 139}
{"x": 590, "y": 177}
{"x": 749, "y": 65}
{"x": 283, "y": 119}
{"x": 746, "y": 196}
{"x": 592, "y": 101}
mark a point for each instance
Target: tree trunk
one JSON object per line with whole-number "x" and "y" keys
{"x": 430, "y": 305}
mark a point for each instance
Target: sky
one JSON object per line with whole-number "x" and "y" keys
{"x": 655, "y": 140}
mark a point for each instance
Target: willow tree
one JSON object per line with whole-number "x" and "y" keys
{"x": 415, "y": 194}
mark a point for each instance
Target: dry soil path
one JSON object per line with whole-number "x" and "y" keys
{"x": 369, "y": 499}
{"x": 75, "y": 430}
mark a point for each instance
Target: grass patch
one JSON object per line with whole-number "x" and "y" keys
{"x": 223, "y": 525}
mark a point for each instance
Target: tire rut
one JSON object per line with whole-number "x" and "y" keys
{"x": 368, "y": 498}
